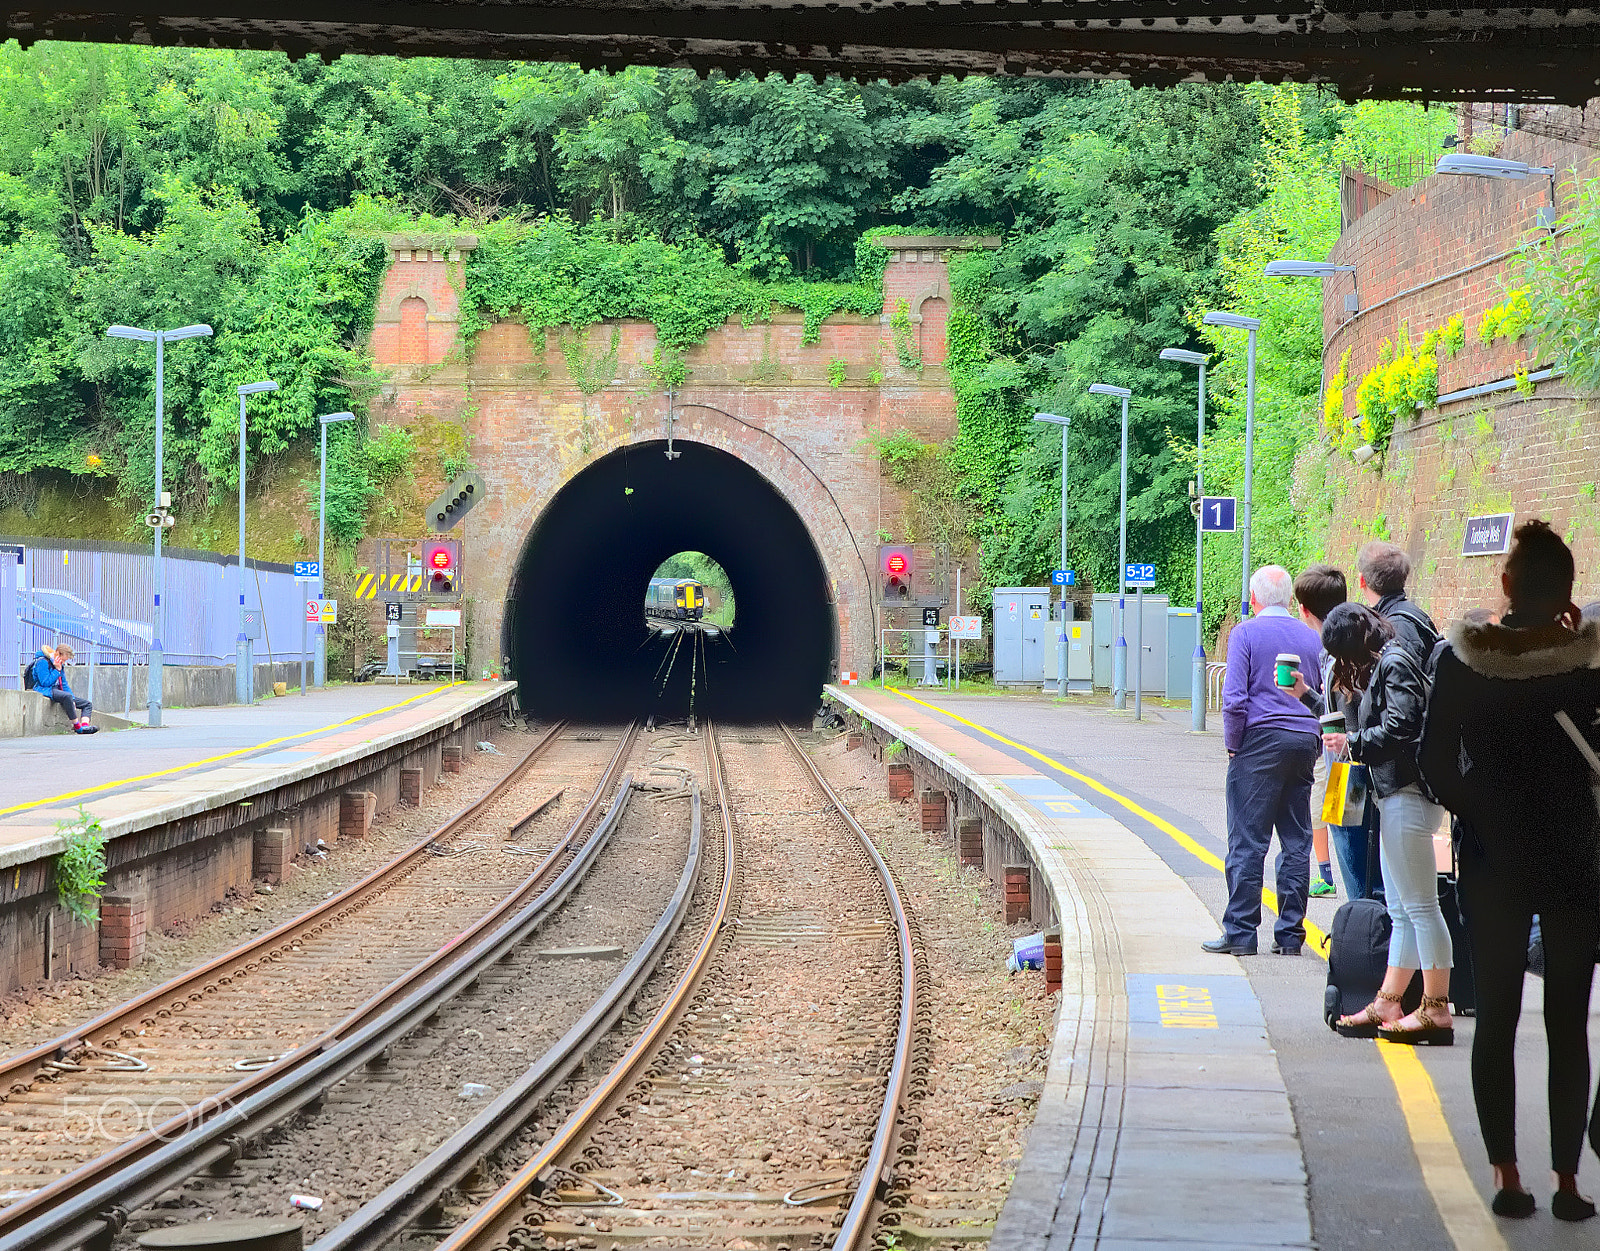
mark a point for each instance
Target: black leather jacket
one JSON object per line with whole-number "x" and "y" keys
{"x": 1387, "y": 726}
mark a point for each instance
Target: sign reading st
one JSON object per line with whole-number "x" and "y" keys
{"x": 1141, "y": 576}
{"x": 1488, "y": 535}
{"x": 1063, "y": 577}
{"x": 1218, "y": 514}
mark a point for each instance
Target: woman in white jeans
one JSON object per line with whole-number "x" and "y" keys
{"x": 1386, "y": 688}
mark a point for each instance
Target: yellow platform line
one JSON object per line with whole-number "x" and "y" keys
{"x": 227, "y": 755}
{"x": 1460, "y": 1206}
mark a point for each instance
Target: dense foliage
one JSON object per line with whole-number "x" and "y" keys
{"x": 162, "y": 187}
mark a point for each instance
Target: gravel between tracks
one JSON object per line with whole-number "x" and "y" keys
{"x": 40, "y": 1012}
{"x": 991, "y": 1030}
{"x": 375, "y": 1126}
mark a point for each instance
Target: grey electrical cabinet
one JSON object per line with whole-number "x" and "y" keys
{"x": 1022, "y": 631}
{"x": 1153, "y": 672}
{"x": 1183, "y": 632}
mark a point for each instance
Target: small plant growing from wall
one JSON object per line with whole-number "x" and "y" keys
{"x": 81, "y": 866}
{"x": 668, "y": 369}
{"x": 836, "y": 368}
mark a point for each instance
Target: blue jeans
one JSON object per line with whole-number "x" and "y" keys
{"x": 1350, "y": 852}
{"x": 1420, "y": 939}
{"x": 1269, "y": 788}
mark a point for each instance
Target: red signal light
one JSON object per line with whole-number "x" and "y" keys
{"x": 896, "y": 564}
{"x": 440, "y": 558}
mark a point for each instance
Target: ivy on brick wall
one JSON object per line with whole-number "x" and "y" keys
{"x": 554, "y": 272}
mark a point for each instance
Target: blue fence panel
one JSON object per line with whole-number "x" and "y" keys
{"x": 100, "y": 601}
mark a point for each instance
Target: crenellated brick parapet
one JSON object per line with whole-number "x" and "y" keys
{"x": 419, "y": 304}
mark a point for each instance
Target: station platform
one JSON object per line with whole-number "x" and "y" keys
{"x": 188, "y": 811}
{"x": 1196, "y": 1100}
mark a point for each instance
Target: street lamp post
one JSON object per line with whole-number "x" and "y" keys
{"x": 329, "y": 419}
{"x": 1197, "y": 678}
{"x": 1250, "y": 325}
{"x": 1061, "y": 632}
{"x": 160, "y": 338}
{"x": 244, "y": 662}
{"x": 1465, "y": 163}
{"x": 1119, "y": 649}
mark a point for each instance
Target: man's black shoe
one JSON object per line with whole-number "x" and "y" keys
{"x": 1225, "y": 946}
{"x": 1278, "y": 949}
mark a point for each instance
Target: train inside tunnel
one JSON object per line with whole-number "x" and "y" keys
{"x": 575, "y": 625}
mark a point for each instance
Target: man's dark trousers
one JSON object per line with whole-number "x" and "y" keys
{"x": 1269, "y": 786}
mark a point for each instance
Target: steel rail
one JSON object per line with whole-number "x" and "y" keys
{"x": 103, "y": 1209}
{"x": 23, "y": 1066}
{"x": 491, "y": 1224}
{"x": 408, "y": 1198}
{"x": 23, "y": 1223}
{"x": 856, "y": 1230}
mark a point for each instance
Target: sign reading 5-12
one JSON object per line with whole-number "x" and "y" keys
{"x": 1143, "y": 576}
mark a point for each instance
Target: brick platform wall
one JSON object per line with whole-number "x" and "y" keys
{"x": 1535, "y": 456}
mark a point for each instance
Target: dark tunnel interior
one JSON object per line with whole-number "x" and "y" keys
{"x": 577, "y": 622}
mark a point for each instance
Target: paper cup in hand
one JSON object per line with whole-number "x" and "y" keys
{"x": 1287, "y": 664}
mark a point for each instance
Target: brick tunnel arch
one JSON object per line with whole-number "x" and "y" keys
{"x": 574, "y": 623}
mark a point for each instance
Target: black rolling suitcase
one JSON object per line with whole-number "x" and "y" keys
{"x": 1358, "y": 950}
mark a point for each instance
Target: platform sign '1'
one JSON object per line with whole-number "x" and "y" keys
{"x": 1218, "y": 514}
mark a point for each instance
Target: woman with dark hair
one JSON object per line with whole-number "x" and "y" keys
{"x": 1381, "y": 681}
{"x": 1499, "y": 751}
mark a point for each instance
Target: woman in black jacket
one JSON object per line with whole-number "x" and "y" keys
{"x": 1382, "y": 681}
{"x": 1498, "y": 755}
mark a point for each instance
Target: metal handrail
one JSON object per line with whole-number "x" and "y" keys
{"x": 1216, "y": 675}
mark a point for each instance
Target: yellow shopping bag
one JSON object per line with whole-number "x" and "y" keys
{"x": 1346, "y": 802}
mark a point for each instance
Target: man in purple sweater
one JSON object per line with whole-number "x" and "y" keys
{"x": 1272, "y": 741}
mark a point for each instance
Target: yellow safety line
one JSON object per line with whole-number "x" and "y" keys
{"x": 1460, "y": 1206}
{"x": 1315, "y": 935}
{"x": 227, "y": 755}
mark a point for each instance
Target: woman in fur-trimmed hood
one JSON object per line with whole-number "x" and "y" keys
{"x": 1497, "y": 750}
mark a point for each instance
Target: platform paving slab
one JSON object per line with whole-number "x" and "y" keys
{"x": 139, "y": 802}
{"x": 1142, "y": 1008}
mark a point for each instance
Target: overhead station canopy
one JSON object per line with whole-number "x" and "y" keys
{"x": 1479, "y": 51}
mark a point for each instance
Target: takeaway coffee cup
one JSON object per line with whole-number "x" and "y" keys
{"x": 1333, "y": 723}
{"x": 1287, "y": 664}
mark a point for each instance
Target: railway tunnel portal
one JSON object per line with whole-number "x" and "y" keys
{"x": 773, "y": 474}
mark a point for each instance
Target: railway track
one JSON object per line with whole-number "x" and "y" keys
{"x": 202, "y": 1043}
{"x": 673, "y": 1147}
{"x": 739, "y": 1054}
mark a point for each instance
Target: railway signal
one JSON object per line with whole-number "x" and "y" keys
{"x": 896, "y": 565}
{"x": 454, "y": 502}
{"x": 441, "y": 566}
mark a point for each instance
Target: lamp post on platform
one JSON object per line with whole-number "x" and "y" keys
{"x": 1061, "y": 631}
{"x": 1237, "y": 321}
{"x": 320, "y": 674}
{"x": 160, "y": 338}
{"x": 244, "y": 662}
{"x": 1197, "y": 677}
{"x": 1119, "y": 649}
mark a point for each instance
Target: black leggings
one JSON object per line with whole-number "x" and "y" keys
{"x": 1499, "y": 916}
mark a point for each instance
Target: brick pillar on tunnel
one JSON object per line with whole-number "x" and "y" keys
{"x": 420, "y": 302}
{"x": 916, "y": 291}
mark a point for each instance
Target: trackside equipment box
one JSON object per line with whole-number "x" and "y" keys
{"x": 1022, "y": 632}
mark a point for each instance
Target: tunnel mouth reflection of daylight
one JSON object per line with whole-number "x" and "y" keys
{"x": 577, "y": 625}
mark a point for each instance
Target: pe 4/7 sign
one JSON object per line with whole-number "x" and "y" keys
{"x": 1141, "y": 576}
{"x": 1218, "y": 514}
